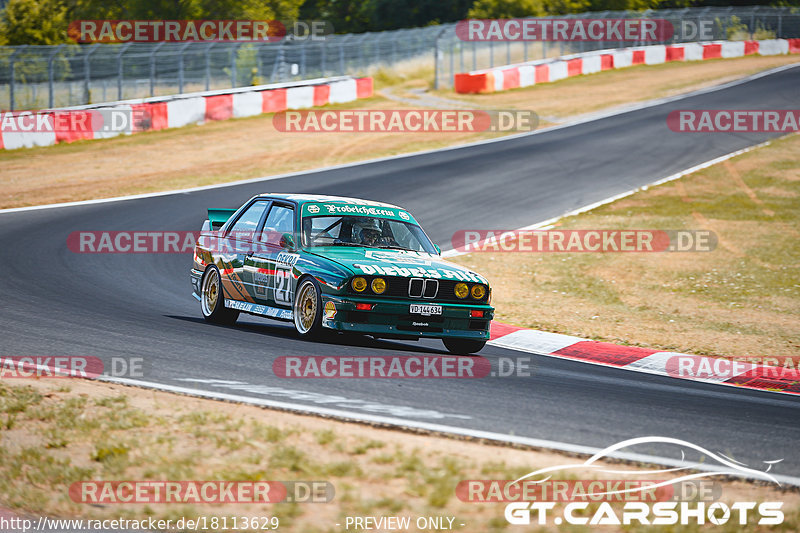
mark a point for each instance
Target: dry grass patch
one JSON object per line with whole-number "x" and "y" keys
{"x": 237, "y": 149}
{"x": 740, "y": 300}
{"x": 57, "y": 432}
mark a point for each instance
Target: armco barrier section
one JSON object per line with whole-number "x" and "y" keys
{"x": 542, "y": 71}
{"x": 197, "y": 108}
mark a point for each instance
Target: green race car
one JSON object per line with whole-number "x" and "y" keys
{"x": 327, "y": 262}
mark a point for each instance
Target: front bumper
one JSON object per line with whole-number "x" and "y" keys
{"x": 195, "y": 276}
{"x": 391, "y": 318}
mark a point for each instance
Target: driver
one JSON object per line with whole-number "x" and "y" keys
{"x": 370, "y": 233}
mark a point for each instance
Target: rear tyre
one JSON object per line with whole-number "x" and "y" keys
{"x": 463, "y": 346}
{"x": 307, "y": 309}
{"x": 212, "y": 299}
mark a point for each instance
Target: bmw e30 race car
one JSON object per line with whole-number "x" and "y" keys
{"x": 338, "y": 263}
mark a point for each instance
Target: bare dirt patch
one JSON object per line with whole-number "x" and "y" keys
{"x": 740, "y": 300}
{"x": 57, "y": 432}
{"x": 246, "y": 148}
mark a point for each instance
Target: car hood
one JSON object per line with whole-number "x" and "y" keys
{"x": 383, "y": 262}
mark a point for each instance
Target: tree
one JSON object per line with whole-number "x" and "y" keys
{"x": 505, "y": 9}
{"x": 33, "y": 22}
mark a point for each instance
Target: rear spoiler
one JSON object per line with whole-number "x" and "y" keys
{"x": 217, "y": 216}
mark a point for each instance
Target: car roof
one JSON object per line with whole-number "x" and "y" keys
{"x": 304, "y": 198}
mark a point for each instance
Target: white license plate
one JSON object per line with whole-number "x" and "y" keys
{"x": 427, "y": 310}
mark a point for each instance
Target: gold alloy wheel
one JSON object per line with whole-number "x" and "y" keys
{"x": 305, "y": 307}
{"x": 210, "y": 292}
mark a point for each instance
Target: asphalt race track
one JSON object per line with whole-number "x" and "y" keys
{"x": 56, "y": 302}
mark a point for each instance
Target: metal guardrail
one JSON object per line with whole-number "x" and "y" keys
{"x": 722, "y": 23}
{"x": 34, "y": 77}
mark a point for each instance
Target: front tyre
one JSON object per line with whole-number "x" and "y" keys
{"x": 212, "y": 299}
{"x": 463, "y": 346}
{"x": 307, "y": 309}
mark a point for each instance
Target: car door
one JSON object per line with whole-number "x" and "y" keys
{"x": 236, "y": 277}
{"x": 272, "y": 263}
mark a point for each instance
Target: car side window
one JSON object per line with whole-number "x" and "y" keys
{"x": 280, "y": 220}
{"x": 246, "y": 225}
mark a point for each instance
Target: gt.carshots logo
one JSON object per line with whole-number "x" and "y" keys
{"x": 600, "y": 240}
{"x": 405, "y": 121}
{"x": 686, "y": 499}
{"x": 734, "y": 120}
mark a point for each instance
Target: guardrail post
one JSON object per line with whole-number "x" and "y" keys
{"x": 302, "y": 59}
{"x": 208, "y": 65}
{"x": 87, "y": 72}
{"x": 361, "y": 53}
{"x": 234, "y": 54}
{"x": 153, "y": 68}
{"x": 50, "y": 82}
{"x": 341, "y": 54}
{"x": 450, "y": 55}
{"x": 474, "y": 55}
{"x": 119, "y": 69}
{"x": 12, "y": 72}
{"x": 180, "y": 66}
{"x": 436, "y": 59}
{"x": 377, "y": 43}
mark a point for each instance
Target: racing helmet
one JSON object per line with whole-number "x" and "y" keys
{"x": 368, "y": 230}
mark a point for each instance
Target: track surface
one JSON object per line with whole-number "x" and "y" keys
{"x": 59, "y": 303}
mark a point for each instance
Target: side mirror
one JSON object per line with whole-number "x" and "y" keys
{"x": 287, "y": 241}
{"x": 438, "y": 250}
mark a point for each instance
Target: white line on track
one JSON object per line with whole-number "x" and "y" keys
{"x": 582, "y": 120}
{"x": 550, "y": 221}
{"x": 427, "y": 426}
{"x": 437, "y": 428}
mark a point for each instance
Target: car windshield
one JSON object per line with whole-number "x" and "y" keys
{"x": 371, "y": 232}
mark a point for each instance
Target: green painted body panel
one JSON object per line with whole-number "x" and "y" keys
{"x": 266, "y": 279}
{"x": 218, "y": 216}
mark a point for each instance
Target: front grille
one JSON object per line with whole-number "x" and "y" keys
{"x": 397, "y": 287}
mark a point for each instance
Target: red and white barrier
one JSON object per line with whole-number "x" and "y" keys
{"x": 195, "y": 108}
{"x": 530, "y": 73}
{"x": 721, "y": 371}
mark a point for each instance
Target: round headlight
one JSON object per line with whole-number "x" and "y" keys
{"x": 359, "y": 284}
{"x": 461, "y": 290}
{"x": 478, "y": 292}
{"x": 378, "y": 285}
